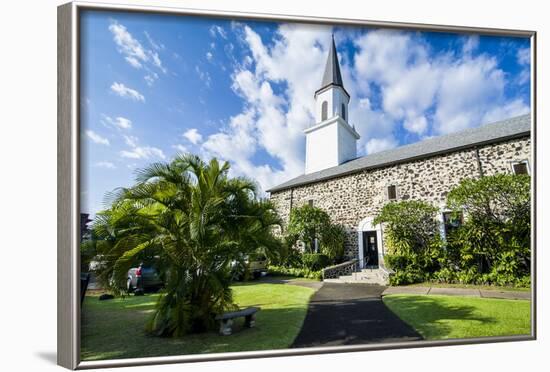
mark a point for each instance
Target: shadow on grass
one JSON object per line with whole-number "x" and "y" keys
{"x": 124, "y": 336}
{"x": 275, "y": 280}
{"x": 434, "y": 317}
{"x": 116, "y": 329}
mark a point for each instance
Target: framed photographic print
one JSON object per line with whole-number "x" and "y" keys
{"x": 235, "y": 185}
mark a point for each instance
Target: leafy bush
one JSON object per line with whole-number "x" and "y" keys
{"x": 468, "y": 276}
{"x": 397, "y": 262}
{"x": 309, "y": 224}
{"x": 493, "y": 244}
{"x": 445, "y": 275}
{"x": 332, "y": 242}
{"x": 524, "y": 281}
{"x": 491, "y": 247}
{"x": 413, "y": 241}
{"x": 315, "y": 261}
{"x": 409, "y": 275}
{"x": 293, "y": 271}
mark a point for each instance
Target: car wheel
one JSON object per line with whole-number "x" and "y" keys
{"x": 129, "y": 287}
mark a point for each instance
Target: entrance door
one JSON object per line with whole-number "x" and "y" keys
{"x": 370, "y": 248}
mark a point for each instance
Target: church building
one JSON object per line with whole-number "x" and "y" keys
{"x": 353, "y": 190}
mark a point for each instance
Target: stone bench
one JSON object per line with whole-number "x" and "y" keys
{"x": 226, "y": 319}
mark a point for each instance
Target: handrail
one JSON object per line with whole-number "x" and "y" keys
{"x": 342, "y": 264}
{"x": 352, "y": 266}
{"x": 340, "y": 269}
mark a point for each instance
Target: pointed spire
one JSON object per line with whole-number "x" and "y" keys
{"x": 332, "y": 75}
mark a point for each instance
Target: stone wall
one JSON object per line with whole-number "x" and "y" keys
{"x": 499, "y": 157}
{"x": 351, "y": 198}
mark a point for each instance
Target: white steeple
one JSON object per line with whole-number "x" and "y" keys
{"x": 332, "y": 140}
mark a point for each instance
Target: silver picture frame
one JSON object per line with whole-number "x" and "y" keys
{"x": 68, "y": 186}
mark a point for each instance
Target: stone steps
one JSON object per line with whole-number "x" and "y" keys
{"x": 366, "y": 276}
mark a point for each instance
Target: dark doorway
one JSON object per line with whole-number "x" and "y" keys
{"x": 370, "y": 248}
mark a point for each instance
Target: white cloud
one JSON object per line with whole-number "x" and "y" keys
{"x": 153, "y": 43}
{"x": 133, "y": 51}
{"x": 524, "y": 56}
{"x": 237, "y": 144}
{"x": 204, "y": 76}
{"x": 461, "y": 89}
{"x": 117, "y": 122}
{"x": 144, "y": 152}
{"x": 128, "y": 46}
{"x": 514, "y": 108}
{"x": 105, "y": 164}
{"x": 157, "y": 62}
{"x": 467, "y": 91}
{"x": 140, "y": 152}
{"x": 123, "y": 91}
{"x": 417, "y": 124}
{"x": 96, "y": 138}
{"x": 180, "y": 148}
{"x": 216, "y": 31}
{"x": 380, "y": 144}
{"x": 470, "y": 44}
{"x": 193, "y": 136}
{"x": 151, "y": 78}
{"x": 133, "y": 61}
{"x": 524, "y": 59}
{"x": 131, "y": 141}
{"x": 209, "y": 56}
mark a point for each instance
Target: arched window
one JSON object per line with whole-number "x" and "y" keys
{"x": 343, "y": 111}
{"x": 324, "y": 110}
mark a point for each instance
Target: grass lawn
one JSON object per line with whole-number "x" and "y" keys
{"x": 471, "y": 286}
{"x": 115, "y": 329}
{"x": 445, "y": 317}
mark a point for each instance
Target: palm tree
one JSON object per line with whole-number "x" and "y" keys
{"x": 198, "y": 222}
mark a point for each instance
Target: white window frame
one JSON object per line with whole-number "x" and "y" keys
{"x": 524, "y": 161}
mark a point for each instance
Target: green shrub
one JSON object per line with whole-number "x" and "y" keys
{"x": 397, "y": 262}
{"x": 315, "y": 261}
{"x": 524, "y": 281}
{"x": 493, "y": 246}
{"x": 468, "y": 276}
{"x": 445, "y": 275}
{"x": 407, "y": 276}
{"x": 297, "y": 272}
{"x": 413, "y": 241}
{"x": 309, "y": 224}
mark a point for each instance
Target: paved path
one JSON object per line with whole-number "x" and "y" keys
{"x": 348, "y": 314}
{"x": 472, "y": 292}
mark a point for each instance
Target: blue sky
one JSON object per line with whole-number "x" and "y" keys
{"x": 156, "y": 85}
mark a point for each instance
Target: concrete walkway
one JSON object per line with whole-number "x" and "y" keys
{"x": 348, "y": 314}
{"x": 472, "y": 292}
